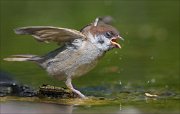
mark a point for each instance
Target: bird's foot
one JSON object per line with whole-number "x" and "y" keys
{"x": 69, "y": 85}
{"x": 79, "y": 94}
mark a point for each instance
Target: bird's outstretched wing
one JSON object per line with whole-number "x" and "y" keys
{"x": 49, "y": 33}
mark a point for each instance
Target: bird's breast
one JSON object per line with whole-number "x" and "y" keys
{"x": 84, "y": 60}
{"x": 74, "y": 62}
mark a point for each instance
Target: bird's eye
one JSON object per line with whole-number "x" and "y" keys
{"x": 108, "y": 34}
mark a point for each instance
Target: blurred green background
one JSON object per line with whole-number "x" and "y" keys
{"x": 149, "y": 56}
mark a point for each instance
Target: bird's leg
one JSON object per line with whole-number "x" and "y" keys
{"x": 69, "y": 85}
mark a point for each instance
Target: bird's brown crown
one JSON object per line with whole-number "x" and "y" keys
{"x": 99, "y": 29}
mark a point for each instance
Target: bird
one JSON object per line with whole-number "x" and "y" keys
{"x": 78, "y": 53}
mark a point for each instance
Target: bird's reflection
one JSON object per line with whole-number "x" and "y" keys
{"x": 13, "y": 107}
{"x": 34, "y": 108}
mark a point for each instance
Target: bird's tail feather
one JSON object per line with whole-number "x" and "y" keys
{"x": 22, "y": 58}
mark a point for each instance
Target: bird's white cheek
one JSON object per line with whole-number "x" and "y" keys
{"x": 100, "y": 42}
{"x": 106, "y": 45}
{"x": 107, "y": 41}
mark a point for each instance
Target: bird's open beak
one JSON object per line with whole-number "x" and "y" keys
{"x": 114, "y": 41}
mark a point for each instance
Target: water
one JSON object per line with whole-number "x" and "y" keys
{"x": 147, "y": 63}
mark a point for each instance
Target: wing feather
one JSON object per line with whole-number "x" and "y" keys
{"x": 49, "y": 33}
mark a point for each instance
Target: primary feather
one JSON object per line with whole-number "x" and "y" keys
{"x": 48, "y": 33}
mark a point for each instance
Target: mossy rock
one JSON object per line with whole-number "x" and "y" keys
{"x": 55, "y": 92}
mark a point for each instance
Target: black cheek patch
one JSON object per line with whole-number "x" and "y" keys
{"x": 101, "y": 41}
